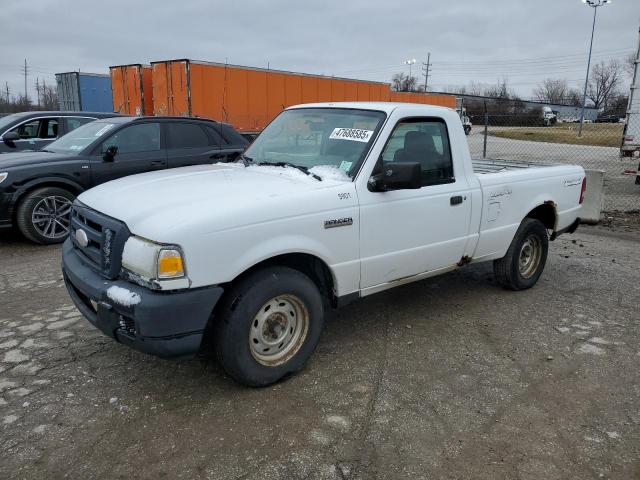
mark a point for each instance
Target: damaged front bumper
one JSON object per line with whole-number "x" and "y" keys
{"x": 165, "y": 324}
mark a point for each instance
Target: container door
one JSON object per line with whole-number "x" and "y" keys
{"x": 68, "y": 91}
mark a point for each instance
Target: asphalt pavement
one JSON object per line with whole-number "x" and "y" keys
{"x": 451, "y": 378}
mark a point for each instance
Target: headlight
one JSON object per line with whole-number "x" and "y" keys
{"x": 152, "y": 261}
{"x": 3, "y": 175}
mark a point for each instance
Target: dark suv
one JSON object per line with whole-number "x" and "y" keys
{"x": 37, "y": 188}
{"x": 36, "y": 130}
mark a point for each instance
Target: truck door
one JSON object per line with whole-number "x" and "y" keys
{"x": 140, "y": 149}
{"x": 409, "y": 232}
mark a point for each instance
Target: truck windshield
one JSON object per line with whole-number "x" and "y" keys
{"x": 313, "y": 137}
{"x": 80, "y": 138}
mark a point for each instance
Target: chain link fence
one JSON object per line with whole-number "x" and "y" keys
{"x": 536, "y": 139}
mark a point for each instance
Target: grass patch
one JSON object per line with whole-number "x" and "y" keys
{"x": 597, "y": 134}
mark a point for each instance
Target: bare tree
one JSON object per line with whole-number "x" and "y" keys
{"x": 404, "y": 83}
{"x": 552, "y": 90}
{"x": 574, "y": 97}
{"x": 499, "y": 90}
{"x": 604, "y": 82}
{"x": 630, "y": 64}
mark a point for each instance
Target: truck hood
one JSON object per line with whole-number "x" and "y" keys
{"x": 206, "y": 198}
{"x": 23, "y": 159}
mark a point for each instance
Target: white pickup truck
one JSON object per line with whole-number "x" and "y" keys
{"x": 330, "y": 203}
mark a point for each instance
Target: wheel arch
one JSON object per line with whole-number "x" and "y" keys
{"x": 311, "y": 265}
{"x": 546, "y": 213}
{"x": 29, "y": 187}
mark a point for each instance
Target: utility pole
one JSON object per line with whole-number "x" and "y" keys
{"x": 425, "y": 69}
{"x": 38, "y": 91}
{"x": 6, "y": 88}
{"x": 25, "y": 72}
{"x": 593, "y": 4}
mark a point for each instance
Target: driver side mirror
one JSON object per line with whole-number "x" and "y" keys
{"x": 396, "y": 176}
{"x": 110, "y": 153}
{"x": 10, "y": 137}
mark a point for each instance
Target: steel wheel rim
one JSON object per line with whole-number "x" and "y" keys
{"x": 530, "y": 255}
{"x": 50, "y": 217}
{"x": 278, "y": 330}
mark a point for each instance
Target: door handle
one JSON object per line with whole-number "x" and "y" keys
{"x": 456, "y": 200}
{"x": 157, "y": 163}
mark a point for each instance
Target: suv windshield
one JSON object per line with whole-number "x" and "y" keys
{"x": 313, "y": 137}
{"x": 80, "y": 138}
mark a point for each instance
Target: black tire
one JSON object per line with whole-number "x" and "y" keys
{"x": 32, "y": 202}
{"x": 511, "y": 271}
{"x": 467, "y": 130}
{"x": 237, "y": 317}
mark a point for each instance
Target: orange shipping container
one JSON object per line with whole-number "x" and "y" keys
{"x": 249, "y": 98}
{"x": 132, "y": 89}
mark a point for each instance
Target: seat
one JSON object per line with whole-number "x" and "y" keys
{"x": 54, "y": 130}
{"x": 418, "y": 147}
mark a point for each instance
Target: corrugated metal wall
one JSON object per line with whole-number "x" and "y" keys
{"x": 132, "y": 89}
{"x": 84, "y": 92}
{"x": 249, "y": 98}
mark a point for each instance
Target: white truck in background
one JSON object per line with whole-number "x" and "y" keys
{"x": 631, "y": 133}
{"x": 332, "y": 202}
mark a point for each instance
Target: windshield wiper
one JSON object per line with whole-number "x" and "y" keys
{"x": 287, "y": 164}
{"x": 246, "y": 161}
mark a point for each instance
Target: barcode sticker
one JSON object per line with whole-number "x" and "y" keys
{"x": 355, "y": 134}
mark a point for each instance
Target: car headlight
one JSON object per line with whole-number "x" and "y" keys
{"x": 3, "y": 176}
{"x": 152, "y": 261}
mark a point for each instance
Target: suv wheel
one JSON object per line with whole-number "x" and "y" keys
{"x": 268, "y": 326}
{"x": 43, "y": 215}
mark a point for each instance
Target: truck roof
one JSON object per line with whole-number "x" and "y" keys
{"x": 386, "y": 107}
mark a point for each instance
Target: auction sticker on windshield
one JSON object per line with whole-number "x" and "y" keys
{"x": 354, "y": 134}
{"x": 103, "y": 130}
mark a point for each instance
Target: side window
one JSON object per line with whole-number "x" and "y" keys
{"x": 424, "y": 141}
{"x": 75, "y": 122}
{"x": 28, "y": 130}
{"x": 41, "y": 128}
{"x": 231, "y": 136}
{"x": 143, "y": 137}
{"x": 187, "y": 135}
{"x": 49, "y": 128}
{"x": 217, "y": 138}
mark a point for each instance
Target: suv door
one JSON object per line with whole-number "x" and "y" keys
{"x": 36, "y": 133}
{"x": 140, "y": 149}
{"x": 189, "y": 144}
{"x": 409, "y": 232}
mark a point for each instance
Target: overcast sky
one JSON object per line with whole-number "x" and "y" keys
{"x": 523, "y": 41}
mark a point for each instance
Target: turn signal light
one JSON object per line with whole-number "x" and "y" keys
{"x": 170, "y": 264}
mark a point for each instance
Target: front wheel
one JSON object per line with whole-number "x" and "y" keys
{"x": 43, "y": 215}
{"x": 268, "y": 326}
{"x": 524, "y": 262}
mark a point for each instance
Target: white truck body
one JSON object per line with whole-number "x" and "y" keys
{"x": 227, "y": 218}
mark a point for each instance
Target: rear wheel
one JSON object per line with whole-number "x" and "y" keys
{"x": 43, "y": 215}
{"x": 268, "y": 326}
{"x": 524, "y": 262}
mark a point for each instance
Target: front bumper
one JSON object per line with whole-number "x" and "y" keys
{"x": 165, "y": 324}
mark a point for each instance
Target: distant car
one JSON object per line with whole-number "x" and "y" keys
{"x": 37, "y": 188}
{"x": 36, "y": 130}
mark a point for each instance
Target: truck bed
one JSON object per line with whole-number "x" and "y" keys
{"x": 495, "y": 166}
